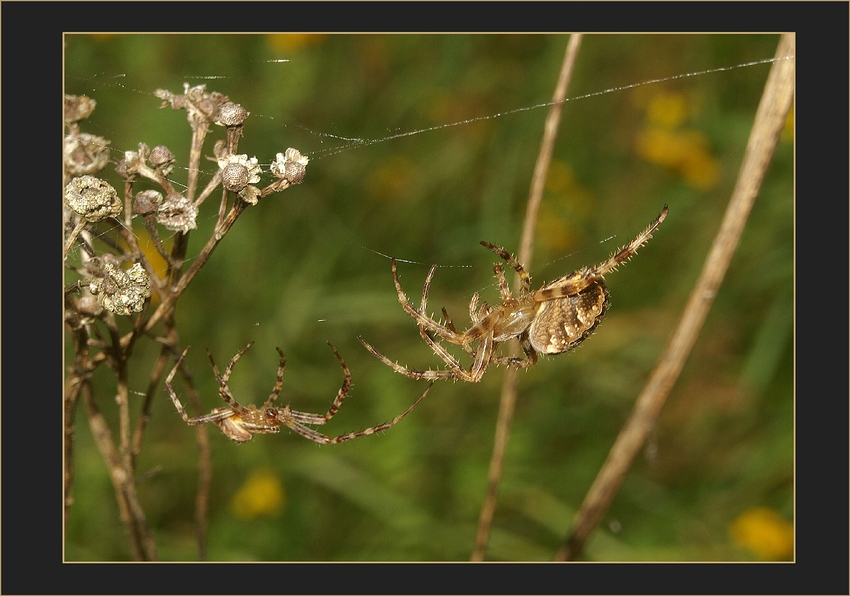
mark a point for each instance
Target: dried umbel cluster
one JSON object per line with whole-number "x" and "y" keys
{"x": 93, "y": 208}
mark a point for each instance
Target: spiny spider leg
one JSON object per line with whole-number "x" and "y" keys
{"x": 223, "y": 389}
{"x": 525, "y": 279}
{"x": 421, "y": 318}
{"x": 326, "y": 440}
{"x": 213, "y": 416}
{"x": 278, "y": 385}
{"x": 433, "y": 341}
{"x": 580, "y": 280}
{"x": 316, "y": 419}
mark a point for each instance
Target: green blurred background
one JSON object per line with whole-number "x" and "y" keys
{"x": 302, "y": 268}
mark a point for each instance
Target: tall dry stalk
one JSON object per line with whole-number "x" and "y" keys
{"x": 507, "y": 401}
{"x": 770, "y": 117}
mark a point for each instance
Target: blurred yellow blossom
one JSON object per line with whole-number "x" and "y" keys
{"x": 289, "y": 42}
{"x": 764, "y": 532}
{"x": 683, "y": 150}
{"x": 668, "y": 110}
{"x": 262, "y": 494}
{"x": 566, "y": 206}
{"x": 159, "y": 264}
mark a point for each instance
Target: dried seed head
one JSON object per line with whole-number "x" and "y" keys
{"x": 234, "y": 176}
{"x": 147, "y": 202}
{"x": 92, "y": 198}
{"x": 162, "y": 159}
{"x": 199, "y": 105}
{"x": 177, "y": 213}
{"x": 121, "y": 292}
{"x": 85, "y": 153}
{"x": 238, "y": 173}
{"x": 78, "y": 107}
{"x": 231, "y": 114}
{"x": 291, "y": 166}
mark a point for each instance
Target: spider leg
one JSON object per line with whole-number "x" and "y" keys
{"x": 421, "y": 318}
{"x": 503, "y": 283}
{"x": 423, "y": 306}
{"x": 455, "y": 371}
{"x": 318, "y": 437}
{"x": 629, "y": 250}
{"x": 530, "y": 358}
{"x": 223, "y": 389}
{"x": 429, "y": 374}
{"x": 433, "y": 341}
{"x": 278, "y": 383}
{"x": 585, "y": 277}
{"x": 219, "y": 414}
{"x": 525, "y": 279}
{"x": 170, "y": 389}
{"x": 315, "y": 419}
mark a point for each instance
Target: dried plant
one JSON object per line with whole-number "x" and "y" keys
{"x": 117, "y": 296}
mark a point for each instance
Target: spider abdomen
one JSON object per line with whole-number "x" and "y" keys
{"x": 563, "y": 323}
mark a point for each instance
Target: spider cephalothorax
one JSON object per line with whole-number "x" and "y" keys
{"x": 241, "y": 423}
{"x": 552, "y": 320}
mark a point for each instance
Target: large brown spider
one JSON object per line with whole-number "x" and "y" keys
{"x": 552, "y": 320}
{"x": 240, "y": 423}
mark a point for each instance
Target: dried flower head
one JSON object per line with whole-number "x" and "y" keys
{"x": 84, "y": 153}
{"x": 238, "y": 170}
{"x": 291, "y": 166}
{"x": 177, "y": 213}
{"x": 119, "y": 291}
{"x": 239, "y": 173}
{"x": 147, "y": 202}
{"x": 78, "y": 107}
{"x": 201, "y": 107}
{"x": 92, "y": 198}
{"x": 231, "y": 114}
{"x": 162, "y": 159}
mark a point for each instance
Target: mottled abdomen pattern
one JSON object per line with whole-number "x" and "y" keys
{"x": 563, "y": 323}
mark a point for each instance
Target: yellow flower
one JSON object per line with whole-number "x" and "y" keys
{"x": 290, "y": 42}
{"x": 262, "y": 494}
{"x": 764, "y": 532}
{"x": 668, "y": 110}
{"x": 684, "y": 151}
{"x": 666, "y": 142}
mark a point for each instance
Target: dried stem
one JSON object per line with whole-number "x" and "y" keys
{"x": 142, "y": 545}
{"x": 509, "y": 386}
{"x": 73, "y": 387}
{"x": 770, "y": 118}
{"x": 204, "y": 465}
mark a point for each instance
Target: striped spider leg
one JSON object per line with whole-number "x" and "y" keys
{"x": 551, "y": 320}
{"x": 240, "y": 423}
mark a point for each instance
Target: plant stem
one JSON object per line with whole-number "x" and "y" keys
{"x": 769, "y": 120}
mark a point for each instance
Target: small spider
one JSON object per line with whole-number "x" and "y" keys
{"x": 240, "y": 423}
{"x": 552, "y": 320}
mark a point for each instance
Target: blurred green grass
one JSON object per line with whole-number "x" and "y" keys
{"x": 303, "y": 268}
